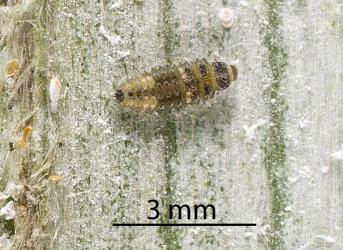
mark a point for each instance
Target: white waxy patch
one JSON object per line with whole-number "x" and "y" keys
{"x": 338, "y": 155}
{"x": 5, "y": 243}
{"x": 116, "y": 5}
{"x": 325, "y": 239}
{"x": 54, "y": 92}
{"x": 288, "y": 208}
{"x": 251, "y": 131}
{"x": 227, "y": 17}
{"x": 11, "y": 82}
{"x": 11, "y": 190}
{"x": 113, "y": 39}
{"x": 8, "y": 211}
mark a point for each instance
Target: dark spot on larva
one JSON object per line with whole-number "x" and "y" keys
{"x": 222, "y": 74}
{"x": 223, "y": 82}
{"x": 119, "y": 95}
{"x": 220, "y": 68}
{"x": 152, "y": 92}
{"x": 207, "y": 89}
{"x": 130, "y": 94}
{"x": 139, "y": 94}
{"x": 188, "y": 72}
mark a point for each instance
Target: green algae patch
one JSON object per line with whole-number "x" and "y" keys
{"x": 167, "y": 29}
{"x": 167, "y": 34}
{"x": 170, "y": 236}
{"x": 274, "y": 148}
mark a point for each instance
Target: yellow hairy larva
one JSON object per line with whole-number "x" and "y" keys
{"x": 176, "y": 86}
{"x": 54, "y": 92}
{"x": 22, "y": 142}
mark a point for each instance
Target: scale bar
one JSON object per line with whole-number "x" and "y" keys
{"x": 184, "y": 224}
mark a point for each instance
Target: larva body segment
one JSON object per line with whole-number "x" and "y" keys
{"x": 176, "y": 86}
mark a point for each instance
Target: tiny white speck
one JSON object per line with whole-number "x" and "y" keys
{"x": 113, "y": 39}
{"x": 302, "y": 124}
{"x": 247, "y": 235}
{"x": 338, "y": 155}
{"x": 288, "y": 208}
{"x": 325, "y": 169}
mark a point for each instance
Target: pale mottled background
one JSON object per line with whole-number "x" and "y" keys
{"x": 267, "y": 150}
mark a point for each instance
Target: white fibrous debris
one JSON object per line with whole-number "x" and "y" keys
{"x": 123, "y": 54}
{"x": 32, "y": 201}
{"x": 5, "y": 243}
{"x": 11, "y": 190}
{"x": 113, "y": 39}
{"x": 250, "y": 131}
{"x": 248, "y": 235}
{"x": 324, "y": 241}
{"x": 244, "y": 3}
{"x": 11, "y": 82}
{"x": 338, "y": 155}
{"x": 288, "y": 208}
{"x": 320, "y": 242}
{"x": 325, "y": 238}
{"x": 108, "y": 131}
{"x": 116, "y": 5}
{"x": 264, "y": 229}
{"x": 54, "y": 92}
{"x": 8, "y": 211}
{"x": 227, "y": 17}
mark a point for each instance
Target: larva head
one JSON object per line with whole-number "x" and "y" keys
{"x": 225, "y": 74}
{"x": 233, "y": 72}
{"x": 119, "y": 96}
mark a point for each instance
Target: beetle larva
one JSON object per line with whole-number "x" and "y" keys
{"x": 175, "y": 86}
